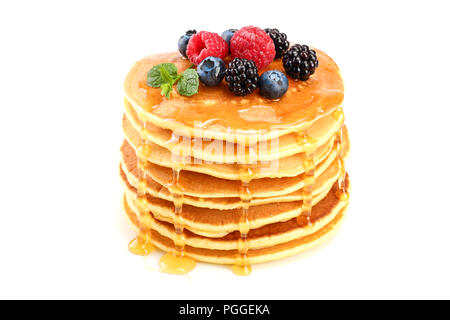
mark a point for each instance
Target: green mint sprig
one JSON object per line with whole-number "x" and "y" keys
{"x": 165, "y": 75}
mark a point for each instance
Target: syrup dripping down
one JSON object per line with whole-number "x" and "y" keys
{"x": 342, "y": 192}
{"x": 177, "y": 262}
{"x": 142, "y": 244}
{"x": 309, "y": 165}
{"x": 242, "y": 266}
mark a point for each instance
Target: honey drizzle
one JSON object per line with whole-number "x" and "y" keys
{"x": 176, "y": 262}
{"x": 309, "y": 166}
{"x": 142, "y": 244}
{"x": 242, "y": 266}
{"x": 178, "y": 198}
{"x": 342, "y": 192}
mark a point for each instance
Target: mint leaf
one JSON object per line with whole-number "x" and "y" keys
{"x": 165, "y": 75}
{"x": 166, "y": 89}
{"x": 161, "y": 73}
{"x": 188, "y": 83}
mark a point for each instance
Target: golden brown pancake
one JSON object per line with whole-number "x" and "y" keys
{"x": 203, "y": 220}
{"x": 202, "y": 185}
{"x": 283, "y": 235}
{"x": 219, "y": 151}
{"x": 156, "y": 190}
{"x": 230, "y": 118}
{"x": 282, "y": 167}
{"x": 259, "y": 236}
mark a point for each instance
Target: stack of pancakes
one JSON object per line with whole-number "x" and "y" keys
{"x": 233, "y": 180}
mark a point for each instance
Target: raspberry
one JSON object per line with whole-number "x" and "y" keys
{"x": 206, "y": 44}
{"x": 253, "y": 43}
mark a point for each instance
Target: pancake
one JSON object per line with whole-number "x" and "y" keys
{"x": 266, "y": 244}
{"x": 154, "y": 189}
{"x": 283, "y": 167}
{"x": 217, "y": 222}
{"x": 228, "y": 188}
{"x": 202, "y": 185}
{"x": 247, "y": 119}
{"x": 260, "y": 235}
{"x": 255, "y": 256}
{"x": 219, "y": 151}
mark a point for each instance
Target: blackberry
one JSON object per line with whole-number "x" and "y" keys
{"x": 300, "y": 62}
{"x": 279, "y": 40}
{"x": 242, "y": 76}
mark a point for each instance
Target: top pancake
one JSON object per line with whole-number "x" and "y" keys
{"x": 220, "y": 151}
{"x": 216, "y": 113}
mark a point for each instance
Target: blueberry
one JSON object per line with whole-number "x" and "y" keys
{"x": 211, "y": 71}
{"x": 228, "y": 34}
{"x": 184, "y": 40}
{"x": 273, "y": 84}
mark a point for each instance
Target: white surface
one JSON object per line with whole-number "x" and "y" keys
{"x": 62, "y": 233}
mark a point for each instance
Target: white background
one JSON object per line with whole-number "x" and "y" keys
{"x": 62, "y": 65}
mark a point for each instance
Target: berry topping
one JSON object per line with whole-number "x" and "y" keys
{"x": 242, "y": 76}
{"x": 228, "y": 34}
{"x": 205, "y": 44}
{"x": 184, "y": 40}
{"x": 300, "y": 62}
{"x": 273, "y": 84}
{"x": 253, "y": 43}
{"x": 279, "y": 40}
{"x": 211, "y": 71}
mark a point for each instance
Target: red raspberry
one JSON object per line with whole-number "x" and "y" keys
{"x": 253, "y": 43}
{"x": 206, "y": 44}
